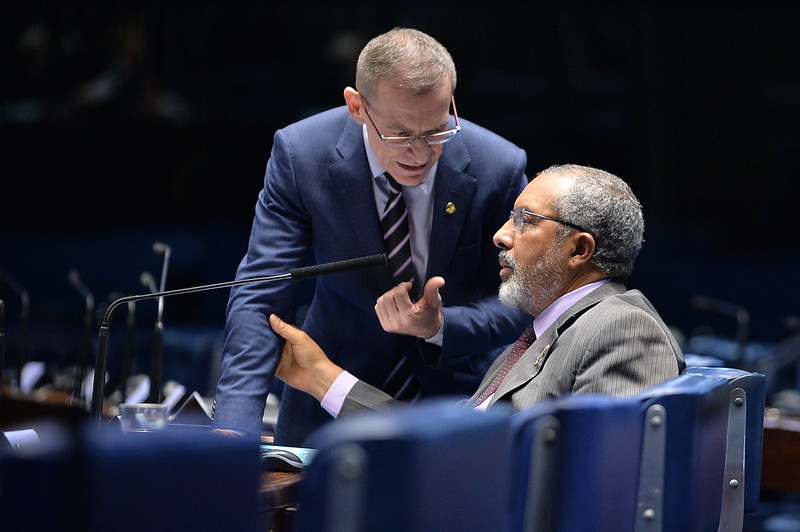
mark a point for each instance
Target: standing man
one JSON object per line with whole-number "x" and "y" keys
{"x": 567, "y": 247}
{"x": 391, "y": 171}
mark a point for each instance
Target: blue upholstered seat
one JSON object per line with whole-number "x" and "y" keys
{"x": 683, "y": 454}
{"x": 745, "y": 438}
{"x": 651, "y": 462}
{"x": 96, "y": 481}
{"x": 437, "y": 465}
{"x": 575, "y": 464}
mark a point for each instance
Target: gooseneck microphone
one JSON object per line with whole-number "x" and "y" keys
{"x": 295, "y": 274}
{"x": 24, "y": 317}
{"x": 156, "y": 361}
{"x": 739, "y": 313}
{"x": 148, "y": 281}
{"x": 130, "y": 343}
{"x": 85, "y": 349}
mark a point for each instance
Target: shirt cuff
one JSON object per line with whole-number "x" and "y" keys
{"x": 437, "y": 338}
{"x": 334, "y": 398}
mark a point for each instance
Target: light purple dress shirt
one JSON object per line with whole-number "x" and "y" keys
{"x": 334, "y": 399}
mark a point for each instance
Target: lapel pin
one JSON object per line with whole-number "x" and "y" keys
{"x": 450, "y": 208}
{"x": 539, "y": 358}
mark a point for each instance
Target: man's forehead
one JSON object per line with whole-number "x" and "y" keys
{"x": 540, "y": 191}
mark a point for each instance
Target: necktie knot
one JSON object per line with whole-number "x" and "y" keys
{"x": 394, "y": 186}
{"x": 528, "y": 336}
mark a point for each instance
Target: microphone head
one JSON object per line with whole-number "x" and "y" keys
{"x": 147, "y": 280}
{"x": 74, "y": 277}
{"x": 161, "y": 248}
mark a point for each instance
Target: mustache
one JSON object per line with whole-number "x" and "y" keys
{"x": 505, "y": 256}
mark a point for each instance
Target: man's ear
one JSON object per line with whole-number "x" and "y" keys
{"x": 354, "y": 104}
{"x": 583, "y": 247}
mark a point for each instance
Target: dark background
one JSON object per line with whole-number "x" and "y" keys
{"x": 126, "y": 123}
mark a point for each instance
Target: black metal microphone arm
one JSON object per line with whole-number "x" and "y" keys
{"x": 296, "y": 274}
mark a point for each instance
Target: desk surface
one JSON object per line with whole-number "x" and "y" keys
{"x": 278, "y": 498}
{"x": 278, "y": 489}
{"x": 780, "y": 462}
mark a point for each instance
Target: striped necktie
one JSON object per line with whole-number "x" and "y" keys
{"x": 520, "y": 346}
{"x": 401, "y": 382}
{"x": 394, "y": 225}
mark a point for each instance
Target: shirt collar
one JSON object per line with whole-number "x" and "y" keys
{"x": 555, "y": 309}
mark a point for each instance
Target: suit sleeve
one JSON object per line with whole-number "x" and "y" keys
{"x": 279, "y": 241}
{"x": 364, "y": 397}
{"x": 627, "y": 353}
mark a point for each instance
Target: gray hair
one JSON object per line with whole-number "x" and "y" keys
{"x": 605, "y": 206}
{"x": 410, "y": 59}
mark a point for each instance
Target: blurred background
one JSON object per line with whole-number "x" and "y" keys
{"x": 123, "y": 124}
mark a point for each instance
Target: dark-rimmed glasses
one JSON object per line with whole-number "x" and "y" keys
{"x": 518, "y": 217}
{"x": 432, "y": 139}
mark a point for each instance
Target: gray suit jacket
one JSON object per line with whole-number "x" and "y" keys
{"x": 612, "y": 342}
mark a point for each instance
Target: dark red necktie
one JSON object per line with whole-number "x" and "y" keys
{"x": 521, "y": 345}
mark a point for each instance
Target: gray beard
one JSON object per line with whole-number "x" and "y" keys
{"x": 531, "y": 288}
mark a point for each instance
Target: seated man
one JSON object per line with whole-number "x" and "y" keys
{"x": 567, "y": 248}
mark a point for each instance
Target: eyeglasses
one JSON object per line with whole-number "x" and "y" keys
{"x": 518, "y": 216}
{"x": 431, "y": 140}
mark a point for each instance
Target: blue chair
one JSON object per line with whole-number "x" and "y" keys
{"x": 576, "y": 463}
{"x": 37, "y": 483}
{"x": 745, "y": 439}
{"x": 96, "y": 481}
{"x": 436, "y": 465}
{"x": 170, "y": 480}
{"x": 683, "y": 454}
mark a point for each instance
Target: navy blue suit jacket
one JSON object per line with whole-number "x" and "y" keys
{"x": 318, "y": 198}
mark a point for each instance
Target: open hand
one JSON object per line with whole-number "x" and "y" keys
{"x": 303, "y": 364}
{"x": 422, "y": 319}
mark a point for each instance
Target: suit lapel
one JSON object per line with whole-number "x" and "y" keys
{"x": 532, "y": 362}
{"x": 452, "y": 186}
{"x": 454, "y": 191}
{"x": 352, "y": 183}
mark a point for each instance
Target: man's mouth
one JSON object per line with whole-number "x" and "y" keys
{"x": 506, "y": 265}
{"x": 413, "y": 167}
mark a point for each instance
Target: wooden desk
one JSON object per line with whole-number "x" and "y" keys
{"x": 278, "y": 499}
{"x": 780, "y": 462}
{"x": 17, "y": 408}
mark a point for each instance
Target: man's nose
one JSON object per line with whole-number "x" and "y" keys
{"x": 420, "y": 146}
{"x": 504, "y": 237}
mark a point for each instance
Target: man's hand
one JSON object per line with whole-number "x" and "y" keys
{"x": 303, "y": 364}
{"x": 422, "y": 319}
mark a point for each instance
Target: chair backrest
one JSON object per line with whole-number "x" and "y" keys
{"x": 36, "y": 481}
{"x": 435, "y": 465}
{"x": 96, "y": 481}
{"x": 169, "y": 480}
{"x": 683, "y": 454}
{"x": 745, "y": 439}
{"x": 575, "y": 466}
